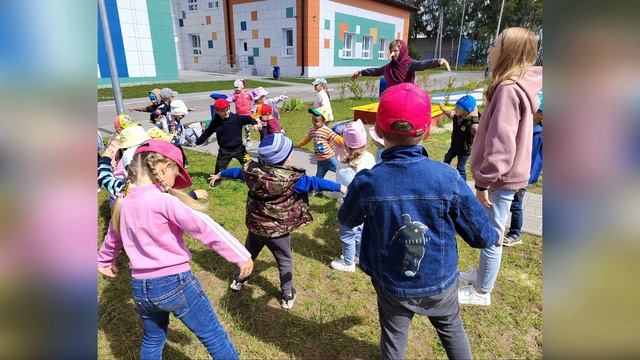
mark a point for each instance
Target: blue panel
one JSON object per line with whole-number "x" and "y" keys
{"x": 251, "y": 60}
{"x": 113, "y": 19}
{"x": 181, "y": 21}
{"x": 210, "y": 44}
{"x": 243, "y": 25}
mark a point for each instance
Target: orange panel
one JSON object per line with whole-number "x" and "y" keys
{"x": 327, "y": 43}
{"x": 274, "y": 60}
{"x": 343, "y": 28}
{"x": 214, "y": 36}
{"x": 267, "y": 42}
{"x": 254, "y": 34}
{"x": 254, "y": 16}
{"x": 383, "y": 8}
{"x": 208, "y": 20}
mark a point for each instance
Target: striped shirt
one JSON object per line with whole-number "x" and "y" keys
{"x": 322, "y": 139}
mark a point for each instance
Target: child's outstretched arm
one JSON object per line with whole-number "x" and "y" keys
{"x": 471, "y": 220}
{"x": 230, "y": 173}
{"x": 308, "y": 183}
{"x": 304, "y": 142}
{"x": 108, "y": 253}
{"x": 278, "y": 99}
{"x": 447, "y": 113}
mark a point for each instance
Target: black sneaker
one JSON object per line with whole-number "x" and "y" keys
{"x": 287, "y": 300}
{"x": 237, "y": 284}
{"x": 511, "y": 240}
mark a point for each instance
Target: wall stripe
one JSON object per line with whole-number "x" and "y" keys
{"x": 116, "y": 39}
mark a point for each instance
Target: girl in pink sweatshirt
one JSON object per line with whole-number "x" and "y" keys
{"x": 501, "y": 150}
{"x": 149, "y": 222}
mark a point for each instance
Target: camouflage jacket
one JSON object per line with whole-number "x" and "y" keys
{"x": 273, "y": 208}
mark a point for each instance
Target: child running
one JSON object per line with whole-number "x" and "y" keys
{"x": 149, "y": 222}
{"x": 465, "y": 123}
{"x": 277, "y": 204}
{"x": 322, "y": 137}
{"x": 357, "y": 159}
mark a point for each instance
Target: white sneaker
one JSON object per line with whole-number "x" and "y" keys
{"x": 468, "y": 295}
{"x": 340, "y": 265}
{"x": 286, "y": 302}
{"x": 237, "y": 285}
{"x": 355, "y": 260}
{"x": 469, "y": 277}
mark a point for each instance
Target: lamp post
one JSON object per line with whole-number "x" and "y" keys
{"x": 464, "y": 3}
{"x": 115, "y": 82}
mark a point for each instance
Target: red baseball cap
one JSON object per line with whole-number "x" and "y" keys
{"x": 404, "y": 102}
{"x": 171, "y": 152}
{"x": 221, "y": 104}
{"x": 266, "y": 109}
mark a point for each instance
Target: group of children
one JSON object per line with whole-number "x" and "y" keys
{"x": 407, "y": 208}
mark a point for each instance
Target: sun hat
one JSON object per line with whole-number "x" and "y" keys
{"x": 157, "y": 134}
{"x": 319, "y": 112}
{"x": 171, "y": 152}
{"x": 122, "y": 121}
{"x": 377, "y": 139}
{"x": 178, "y": 108}
{"x": 466, "y": 103}
{"x": 404, "y": 102}
{"x": 132, "y": 136}
{"x": 167, "y": 93}
{"x": 222, "y": 104}
{"x": 275, "y": 149}
{"x": 319, "y": 81}
{"x": 354, "y": 134}
{"x": 239, "y": 84}
{"x": 257, "y": 93}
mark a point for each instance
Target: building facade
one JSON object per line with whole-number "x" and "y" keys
{"x": 143, "y": 41}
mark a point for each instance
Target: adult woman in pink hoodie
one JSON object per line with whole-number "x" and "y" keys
{"x": 501, "y": 150}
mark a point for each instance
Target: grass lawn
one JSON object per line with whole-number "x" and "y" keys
{"x": 335, "y": 315}
{"x": 140, "y": 91}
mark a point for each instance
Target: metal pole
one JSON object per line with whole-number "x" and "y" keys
{"x": 464, "y": 3}
{"x": 115, "y": 82}
{"x": 499, "y": 21}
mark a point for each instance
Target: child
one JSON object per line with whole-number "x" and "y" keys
{"x": 259, "y": 96}
{"x": 193, "y": 131}
{"x": 171, "y": 123}
{"x": 357, "y": 159}
{"x": 149, "y": 223}
{"x": 465, "y": 122}
{"x": 412, "y": 207}
{"x": 322, "y": 137}
{"x": 513, "y": 236}
{"x": 322, "y": 101}
{"x": 228, "y": 128}
{"x": 154, "y": 97}
{"x": 242, "y": 99}
{"x": 269, "y": 122}
{"x": 378, "y": 142}
{"x": 277, "y": 204}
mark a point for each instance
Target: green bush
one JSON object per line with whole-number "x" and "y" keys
{"x": 292, "y": 104}
{"x": 356, "y": 89}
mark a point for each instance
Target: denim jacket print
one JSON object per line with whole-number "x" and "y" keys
{"x": 412, "y": 207}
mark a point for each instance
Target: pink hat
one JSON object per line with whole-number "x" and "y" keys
{"x": 354, "y": 134}
{"x": 404, "y": 102}
{"x": 375, "y": 137}
{"x": 171, "y": 152}
{"x": 258, "y": 92}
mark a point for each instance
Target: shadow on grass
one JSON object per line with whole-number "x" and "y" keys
{"x": 289, "y": 332}
{"x": 120, "y": 321}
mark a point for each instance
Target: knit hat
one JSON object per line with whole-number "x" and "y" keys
{"x": 172, "y": 152}
{"x": 167, "y": 93}
{"x": 257, "y": 93}
{"x": 221, "y": 104}
{"x": 319, "y": 81}
{"x": 404, "y": 102}
{"x": 466, "y": 103}
{"x": 319, "y": 112}
{"x": 354, "y": 134}
{"x": 132, "y": 136}
{"x": 239, "y": 83}
{"x": 178, "y": 108}
{"x": 275, "y": 149}
{"x": 266, "y": 109}
{"x": 122, "y": 121}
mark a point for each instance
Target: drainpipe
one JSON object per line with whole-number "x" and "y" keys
{"x": 302, "y": 42}
{"x": 229, "y": 40}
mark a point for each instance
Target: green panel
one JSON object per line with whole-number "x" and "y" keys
{"x": 327, "y": 24}
{"x": 164, "y": 47}
{"x": 289, "y": 12}
{"x": 385, "y": 30}
{"x": 256, "y": 51}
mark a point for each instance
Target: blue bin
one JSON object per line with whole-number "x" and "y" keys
{"x": 382, "y": 87}
{"x": 276, "y": 72}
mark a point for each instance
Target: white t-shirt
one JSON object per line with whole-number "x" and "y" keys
{"x": 322, "y": 102}
{"x": 345, "y": 173}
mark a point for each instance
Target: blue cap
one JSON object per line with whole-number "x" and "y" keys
{"x": 216, "y": 96}
{"x": 275, "y": 149}
{"x": 467, "y": 103}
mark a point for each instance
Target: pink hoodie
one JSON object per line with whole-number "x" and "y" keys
{"x": 151, "y": 226}
{"x": 501, "y": 151}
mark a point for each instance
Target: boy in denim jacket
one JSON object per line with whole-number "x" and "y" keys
{"x": 412, "y": 207}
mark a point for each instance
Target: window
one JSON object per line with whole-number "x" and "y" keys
{"x": 349, "y": 46}
{"x": 251, "y": 60}
{"x": 213, "y": 5}
{"x": 210, "y": 43}
{"x": 366, "y": 47}
{"x": 288, "y": 42}
{"x": 243, "y": 25}
{"x": 382, "y": 48}
{"x": 195, "y": 44}
{"x": 192, "y": 5}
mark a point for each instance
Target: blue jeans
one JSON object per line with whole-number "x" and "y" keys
{"x": 516, "y": 215}
{"x": 491, "y": 257}
{"x": 462, "y": 162}
{"x": 350, "y": 238}
{"x": 182, "y": 295}
{"x": 326, "y": 165}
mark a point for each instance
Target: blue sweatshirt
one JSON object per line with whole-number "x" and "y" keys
{"x": 304, "y": 184}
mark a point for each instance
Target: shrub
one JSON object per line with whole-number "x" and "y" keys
{"x": 356, "y": 88}
{"x": 293, "y": 103}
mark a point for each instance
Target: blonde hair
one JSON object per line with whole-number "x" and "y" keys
{"x": 353, "y": 157}
{"x": 145, "y": 163}
{"x": 519, "y": 47}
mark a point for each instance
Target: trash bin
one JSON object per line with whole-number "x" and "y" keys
{"x": 276, "y": 72}
{"x": 383, "y": 86}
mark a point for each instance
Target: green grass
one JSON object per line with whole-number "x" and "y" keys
{"x": 141, "y": 91}
{"x": 335, "y": 316}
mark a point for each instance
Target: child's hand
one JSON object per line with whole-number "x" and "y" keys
{"x": 257, "y": 127}
{"x": 201, "y": 194}
{"x": 246, "y": 269}
{"x": 483, "y": 197}
{"x": 500, "y": 235}
{"x": 343, "y": 189}
{"x": 109, "y": 271}
{"x": 213, "y": 178}
{"x": 444, "y": 62}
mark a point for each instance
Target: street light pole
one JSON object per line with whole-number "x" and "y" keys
{"x": 464, "y": 3}
{"x": 499, "y": 21}
{"x": 115, "y": 82}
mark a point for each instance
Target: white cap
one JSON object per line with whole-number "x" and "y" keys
{"x": 178, "y": 108}
{"x": 319, "y": 81}
{"x": 239, "y": 83}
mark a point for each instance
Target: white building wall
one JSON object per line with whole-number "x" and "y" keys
{"x": 136, "y": 37}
